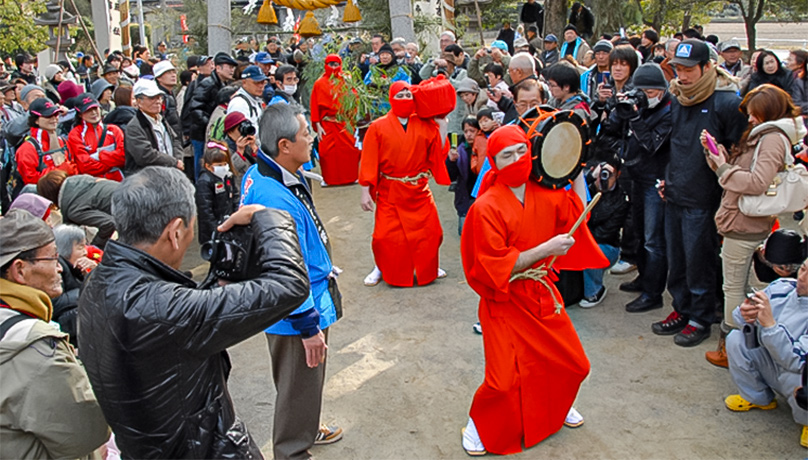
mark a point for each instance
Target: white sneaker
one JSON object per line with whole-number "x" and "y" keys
{"x": 441, "y": 273}
{"x": 323, "y": 184}
{"x": 622, "y": 267}
{"x": 478, "y": 328}
{"x": 589, "y": 302}
{"x": 574, "y": 418}
{"x": 471, "y": 440}
{"x": 373, "y": 277}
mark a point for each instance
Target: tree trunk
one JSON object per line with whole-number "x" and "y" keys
{"x": 555, "y": 18}
{"x": 751, "y": 33}
{"x": 608, "y": 17}
{"x": 686, "y": 20}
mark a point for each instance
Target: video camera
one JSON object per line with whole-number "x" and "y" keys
{"x": 627, "y": 101}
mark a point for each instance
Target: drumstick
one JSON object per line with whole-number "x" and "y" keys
{"x": 578, "y": 223}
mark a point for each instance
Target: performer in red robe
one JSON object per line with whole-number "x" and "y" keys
{"x": 400, "y": 152}
{"x": 534, "y": 361}
{"x": 339, "y": 157}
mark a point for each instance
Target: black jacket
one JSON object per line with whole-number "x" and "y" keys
{"x": 647, "y": 149}
{"x": 532, "y": 12}
{"x": 140, "y": 145}
{"x": 202, "y": 104}
{"x": 65, "y": 307}
{"x": 215, "y": 198}
{"x": 170, "y": 110}
{"x": 157, "y": 356}
{"x": 689, "y": 182}
{"x": 609, "y": 215}
{"x": 120, "y": 116}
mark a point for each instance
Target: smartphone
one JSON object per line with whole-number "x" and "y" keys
{"x": 751, "y": 295}
{"x": 488, "y": 84}
{"x": 453, "y": 140}
{"x": 606, "y": 77}
{"x": 711, "y": 145}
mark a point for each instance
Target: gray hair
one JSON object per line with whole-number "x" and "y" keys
{"x": 523, "y": 61}
{"x": 671, "y": 44}
{"x": 66, "y": 237}
{"x": 147, "y": 202}
{"x": 398, "y": 41}
{"x": 278, "y": 122}
{"x": 449, "y": 34}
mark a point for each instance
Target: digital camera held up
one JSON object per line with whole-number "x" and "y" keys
{"x": 231, "y": 254}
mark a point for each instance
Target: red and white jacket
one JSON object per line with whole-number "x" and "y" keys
{"x": 35, "y": 157}
{"x": 105, "y": 162}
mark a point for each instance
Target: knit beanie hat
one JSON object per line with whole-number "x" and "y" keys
{"x": 649, "y": 76}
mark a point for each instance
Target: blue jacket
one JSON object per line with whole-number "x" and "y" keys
{"x": 271, "y": 191}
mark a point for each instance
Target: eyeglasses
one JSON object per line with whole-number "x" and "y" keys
{"x": 37, "y": 259}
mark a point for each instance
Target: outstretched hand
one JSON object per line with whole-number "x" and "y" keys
{"x": 241, "y": 217}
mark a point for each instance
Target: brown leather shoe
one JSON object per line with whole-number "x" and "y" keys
{"x": 719, "y": 356}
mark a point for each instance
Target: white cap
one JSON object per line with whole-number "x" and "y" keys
{"x": 131, "y": 71}
{"x": 162, "y": 67}
{"x": 144, "y": 87}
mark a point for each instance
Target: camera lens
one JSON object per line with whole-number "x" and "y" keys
{"x": 246, "y": 129}
{"x": 207, "y": 251}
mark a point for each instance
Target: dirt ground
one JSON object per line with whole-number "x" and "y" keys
{"x": 404, "y": 364}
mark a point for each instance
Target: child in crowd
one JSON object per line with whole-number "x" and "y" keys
{"x": 460, "y": 169}
{"x": 487, "y": 123}
{"x": 217, "y": 194}
{"x": 604, "y": 222}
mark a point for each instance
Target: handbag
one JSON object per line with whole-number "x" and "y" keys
{"x": 787, "y": 193}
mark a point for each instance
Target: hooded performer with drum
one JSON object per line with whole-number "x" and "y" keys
{"x": 534, "y": 361}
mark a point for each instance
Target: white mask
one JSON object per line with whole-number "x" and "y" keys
{"x": 290, "y": 89}
{"x": 221, "y": 171}
{"x": 653, "y": 102}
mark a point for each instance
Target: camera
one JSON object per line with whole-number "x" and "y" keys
{"x": 231, "y": 254}
{"x": 634, "y": 97}
{"x": 605, "y": 174}
{"x": 442, "y": 71}
{"x": 246, "y": 128}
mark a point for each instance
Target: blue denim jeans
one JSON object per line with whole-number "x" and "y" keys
{"x": 593, "y": 277}
{"x": 199, "y": 151}
{"x": 693, "y": 261}
{"x": 649, "y": 213}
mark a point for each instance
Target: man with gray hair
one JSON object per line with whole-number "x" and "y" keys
{"x": 667, "y": 68}
{"x": 297, "y": 345}
{"x": 157, "y": 352}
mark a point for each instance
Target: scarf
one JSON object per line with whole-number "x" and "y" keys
{"x": 26, "y": 299}
{"x": 716, "y": 79}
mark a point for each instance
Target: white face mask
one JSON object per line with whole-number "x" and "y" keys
{"x": 653, "y": 102}
{"x": 289, "y": 89}
{"x": 221, "y": 171}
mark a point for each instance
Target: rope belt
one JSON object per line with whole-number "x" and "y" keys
{"x": 538, "y": 274}
{"x": 409, "y": 179}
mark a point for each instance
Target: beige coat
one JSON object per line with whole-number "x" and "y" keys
{"x": 48, "y": 407}
{"x": 736, "y": 178}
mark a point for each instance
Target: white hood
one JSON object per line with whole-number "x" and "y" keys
{"x": 792, "y": 127}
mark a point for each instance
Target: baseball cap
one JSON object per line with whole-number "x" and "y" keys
{"x": 729, "y": 44}
{"x": 202, "y": 60}
{"x": 144, "y": 87}
{"x": 224, "y": 58}
{"x": 85, "y": 102}
{"x": 254, "y": 73}
{"x": 43, "y": 107}
{"x": 551, "y": 38}
{"x": 264, "y": 58}
{"x": 691, "y": 52}
{"x": 162, "y": 67}
{"x": 232, "y": 120}
{"x": 23, "y": 232}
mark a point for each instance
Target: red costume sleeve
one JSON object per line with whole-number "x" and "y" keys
{"x": 585, "y": 253}
{"x": 316, "y": 95}
{"x": 369, "y": 166}
{"x": 488, "y": 258}
{"x": 438, "y": 151}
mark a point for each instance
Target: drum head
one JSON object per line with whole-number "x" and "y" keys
{"x": 560, "y": 151}
{"x": 560, "y": 146}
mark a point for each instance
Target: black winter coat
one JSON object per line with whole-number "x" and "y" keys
{"x": 689, "y": 182}
{"x": 215, "y": 198}
{"x": 157, "y": 356}
{"x": 202, "y": 104}
{"x": 121, "y": 116}
{"x": 65, "y": 307}
{"x": 609, "y": 215}
{"x": 170, "y": 111}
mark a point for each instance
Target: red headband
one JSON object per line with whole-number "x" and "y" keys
{"x": 502, "y": 138}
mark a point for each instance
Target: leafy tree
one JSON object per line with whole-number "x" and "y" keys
{"x": 753, "y": 11}
{"x": 17, "y": 29}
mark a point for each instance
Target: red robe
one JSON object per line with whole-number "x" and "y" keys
{"x": 339, "y": 157}
{"x": 534, "y": 361}
{"x": 407, "y": 232}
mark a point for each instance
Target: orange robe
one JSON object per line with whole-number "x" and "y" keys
{"x": 339, "y": 157}
{"x": 407, "y": 232}
{"x": 534, "y": 361}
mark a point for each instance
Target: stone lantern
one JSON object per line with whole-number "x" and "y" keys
{"x": 50, "y": 18}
